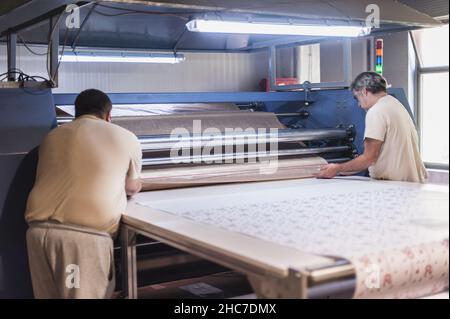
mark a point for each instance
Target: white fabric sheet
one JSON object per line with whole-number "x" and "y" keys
{"x": 374, "y": 224}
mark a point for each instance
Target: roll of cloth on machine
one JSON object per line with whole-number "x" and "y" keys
{"x": 153, "y": 179}
{"x": 165, "y": 124}
{"x": 241, "y": 164}
{"x": 130, "y": 110}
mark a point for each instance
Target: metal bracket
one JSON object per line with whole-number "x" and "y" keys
{"x": 300, "y": 282}
{"x": 351, "y": 131}
{"x": 294, "y": 285}
{"x": 25, "y": 84}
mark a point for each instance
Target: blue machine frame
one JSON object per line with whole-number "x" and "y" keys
{"x": 26, "y": 116}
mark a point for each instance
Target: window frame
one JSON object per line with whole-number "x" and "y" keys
{"x": 421, "y": 70}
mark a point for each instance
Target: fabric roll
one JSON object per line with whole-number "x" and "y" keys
{"x": 125, "y": 110}
{"x": 408, "y": 272}
{"x": 154, "y": 179}
{"x": 165, "y": 124}
{"x": 175, "y": 177}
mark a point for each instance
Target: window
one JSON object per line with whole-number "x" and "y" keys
{"x": 315, "y": 63}
{"x": 432, "y": 47}
{"x": 434, "y": 117}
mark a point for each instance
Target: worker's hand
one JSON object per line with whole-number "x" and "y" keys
{"x": 328, "y": 171}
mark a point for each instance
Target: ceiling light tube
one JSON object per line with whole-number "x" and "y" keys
{"x": 215, "y": 26}
{"x": 103, "y": 57}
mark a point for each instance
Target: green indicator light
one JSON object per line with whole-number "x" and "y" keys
{"x": 379, "y": 69}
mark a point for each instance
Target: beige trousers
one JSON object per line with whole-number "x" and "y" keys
{"x": 70, "y": 262}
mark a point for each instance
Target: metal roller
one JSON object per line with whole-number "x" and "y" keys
{"x": 239, "y": 156}
{"x": 167, "y": 142}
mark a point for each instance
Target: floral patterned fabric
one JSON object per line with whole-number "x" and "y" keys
{"x": 395, "y": 234}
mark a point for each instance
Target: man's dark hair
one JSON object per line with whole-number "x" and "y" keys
{"x": 371, "y": 81}
{"x": 92, "y": 102}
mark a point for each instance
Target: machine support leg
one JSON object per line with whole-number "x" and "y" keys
{"x": 11, "y": 42}
{"x": 54, "y": 51}
{"x": 129, "y": 271}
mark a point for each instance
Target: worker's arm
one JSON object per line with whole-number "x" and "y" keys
{"x": 133, "y": 186}
{"x": 372, "y": 148}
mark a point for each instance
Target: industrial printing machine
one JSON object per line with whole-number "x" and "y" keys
{"x": 290, "y": 235}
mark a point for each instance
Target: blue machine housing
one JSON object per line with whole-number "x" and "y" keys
{"x": 26, "y": 116}
{"x": 333, "y": 108}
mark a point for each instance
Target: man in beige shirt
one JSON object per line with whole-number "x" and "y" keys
{"x": 85, "y": 171}
{"x": 391, "y": 150}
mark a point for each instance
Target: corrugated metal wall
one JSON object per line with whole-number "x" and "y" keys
{"x": 215, "y": 72}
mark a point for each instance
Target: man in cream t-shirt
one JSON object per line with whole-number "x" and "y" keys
{"x": 85, "y": 171}
{"x": 391, "y": 144}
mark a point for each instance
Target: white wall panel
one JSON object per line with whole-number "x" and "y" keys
{"x": 218, "y": 72}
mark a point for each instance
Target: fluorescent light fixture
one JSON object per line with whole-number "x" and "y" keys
{"x": 215, "y": 26}
{"x": 118, "y": 57}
